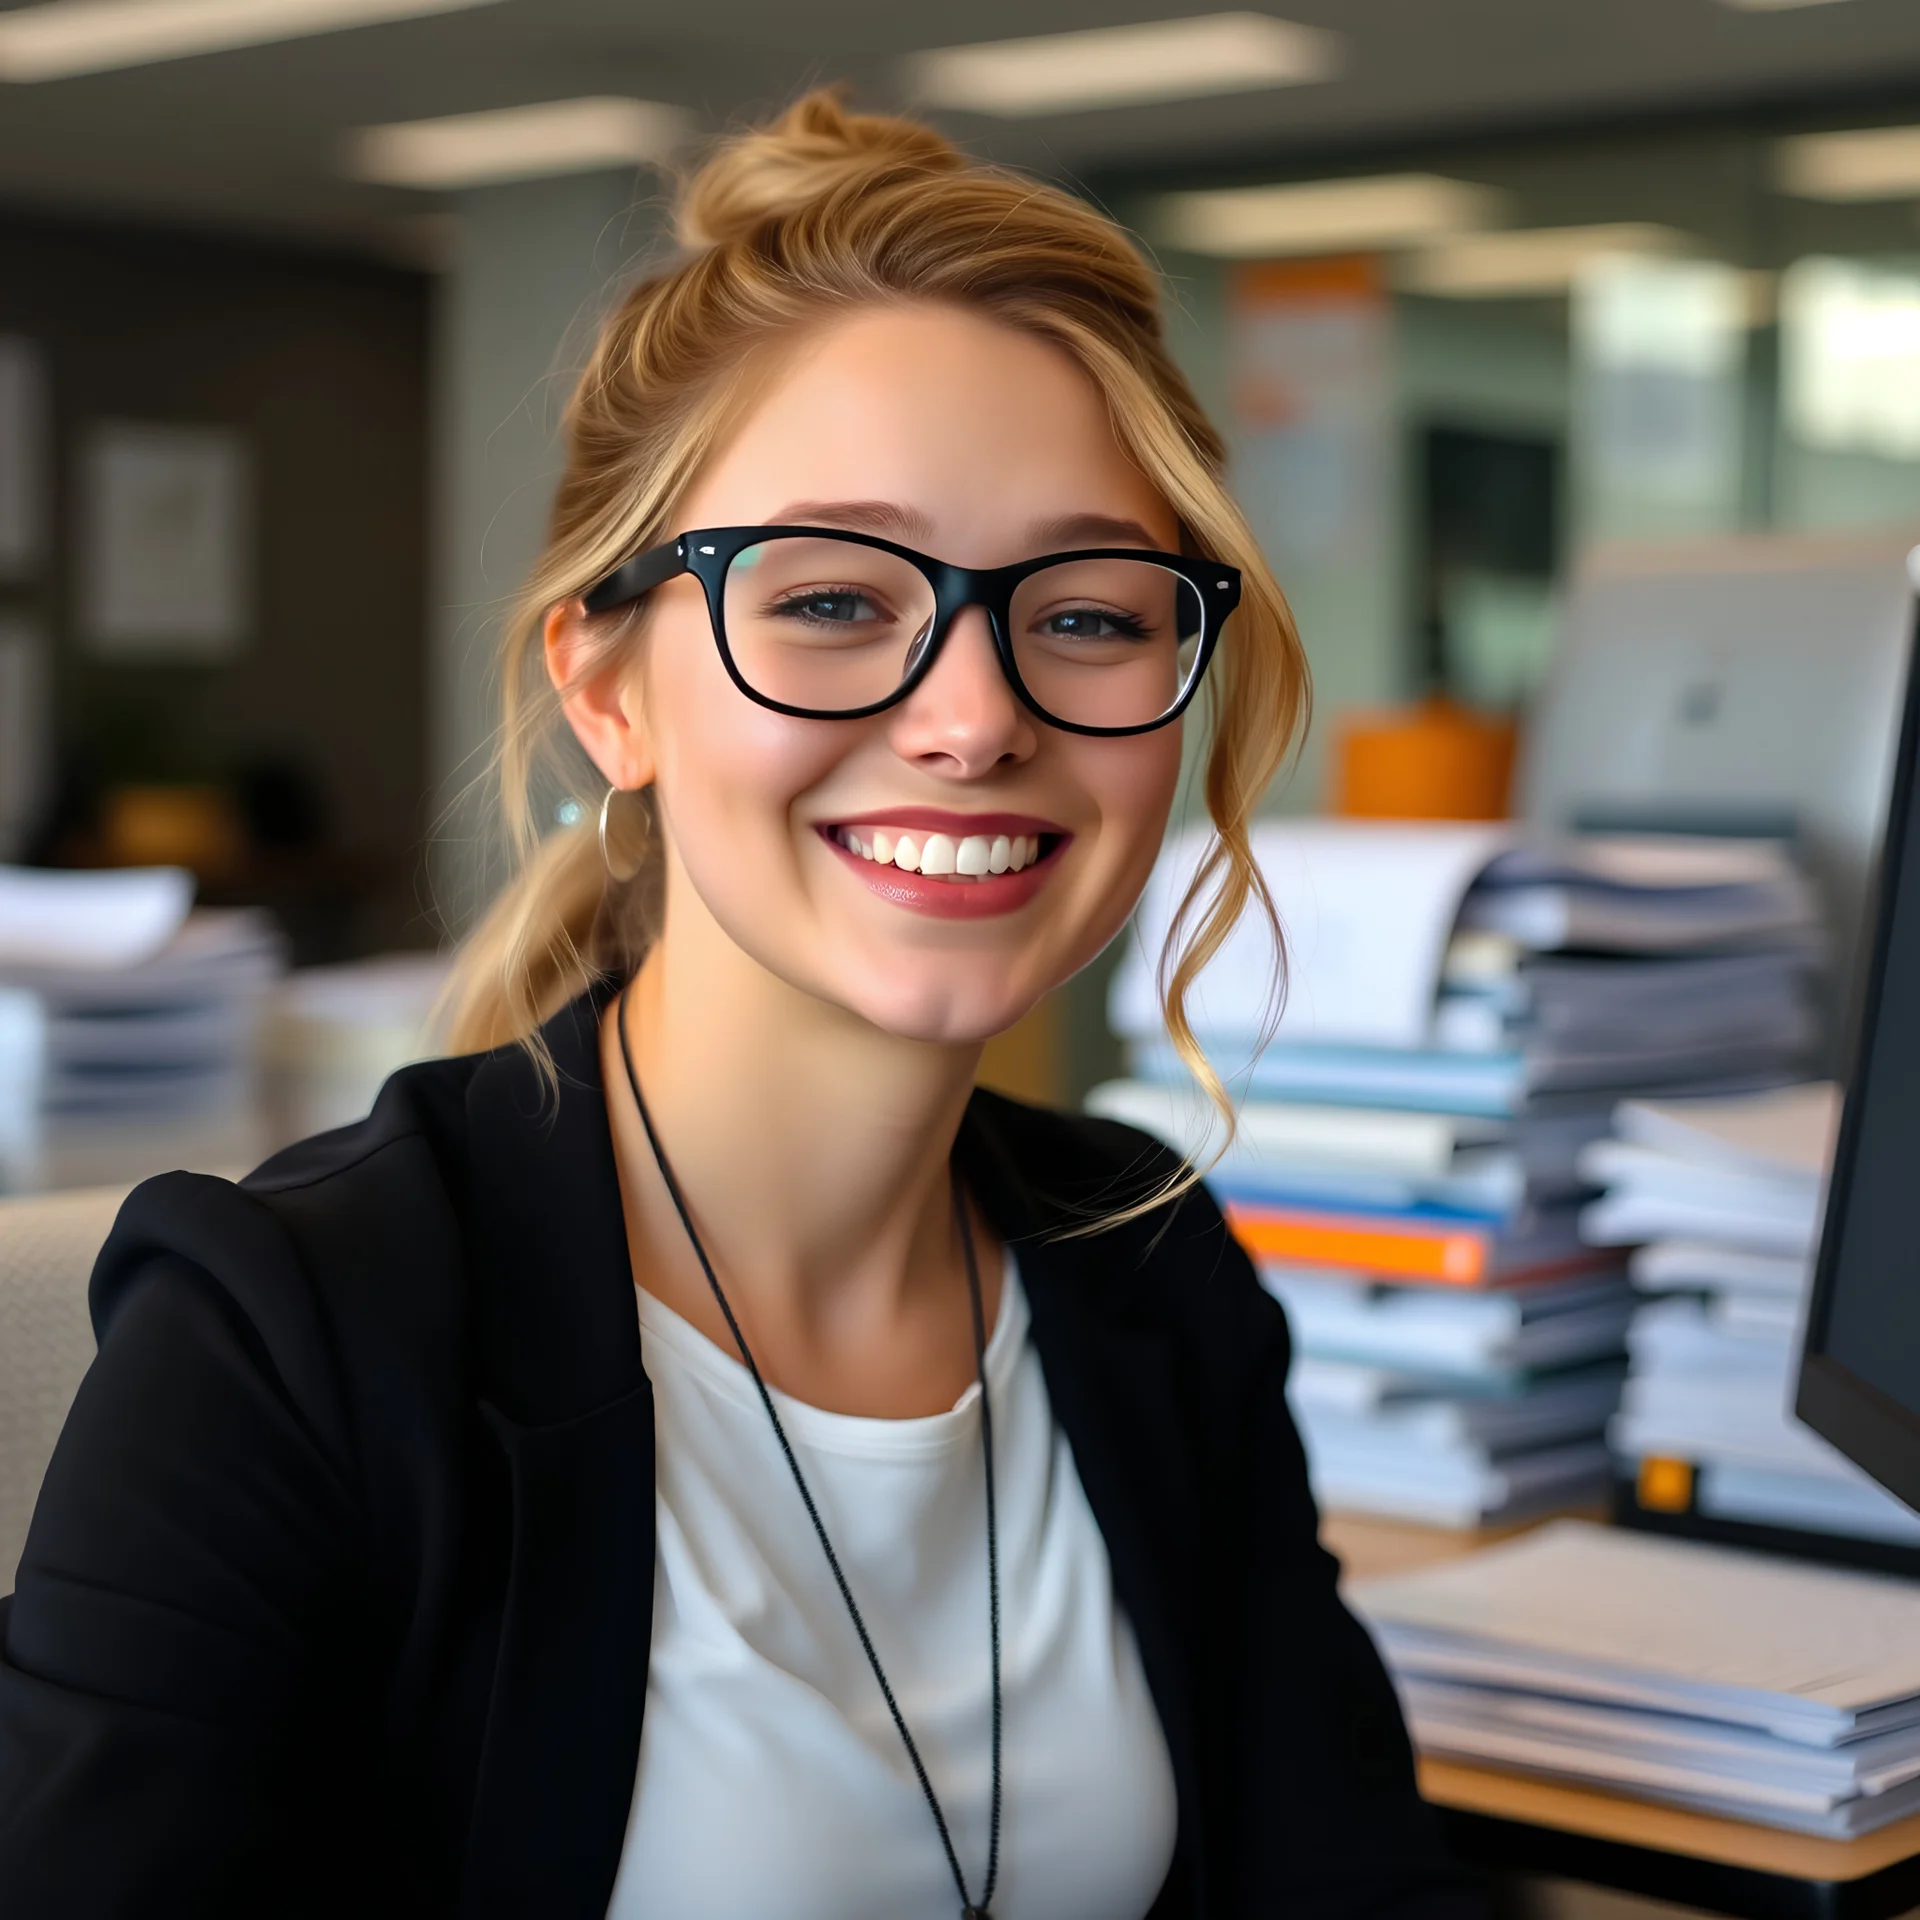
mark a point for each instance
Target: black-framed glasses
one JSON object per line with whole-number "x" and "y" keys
{"x": 827, "y": 625}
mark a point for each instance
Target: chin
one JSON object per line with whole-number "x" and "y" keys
{"x": 942, "y": 1015}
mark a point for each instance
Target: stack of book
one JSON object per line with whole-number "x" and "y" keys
{"x": 1464, "y": 1007}
{"x": 1720, "y": 1200}
{"x": 1722, "y": 1681}
{"x": 1455, "y": 1360}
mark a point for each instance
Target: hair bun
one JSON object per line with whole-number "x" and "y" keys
{"x": 814, "y": 149}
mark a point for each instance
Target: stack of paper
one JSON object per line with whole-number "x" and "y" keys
{"x": 1724, "y": 1198}
{"x": 1453, "y": 1408}
{"x": 1461, "y": 969}
{"x": 150, "y": 1008}
{"x": 1463, "y": 1007}
{"x": 1766, "y": 1690}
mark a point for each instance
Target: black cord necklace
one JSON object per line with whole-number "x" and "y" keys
{"x": 969, "y": 1908}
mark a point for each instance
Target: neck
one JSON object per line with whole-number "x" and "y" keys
{"x": 811, "y": 1148}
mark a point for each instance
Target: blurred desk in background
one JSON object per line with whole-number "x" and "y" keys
{"x": 1369, "y": 1547}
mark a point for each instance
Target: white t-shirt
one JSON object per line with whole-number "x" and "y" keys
{"x": 771, "y": 1778}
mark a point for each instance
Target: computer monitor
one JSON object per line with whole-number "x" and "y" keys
{"x": 1859, "y": 1381}
{"x": 1750, "y": 684}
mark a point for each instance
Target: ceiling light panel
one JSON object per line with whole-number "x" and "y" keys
{"x": 1124, "y": 66}
{"x": 63, "y": 38}
{"x": 518, "y": 143}
{"x": 1773, "y": 6}
{"x": 1323, "y": 216}
{"x": 1529, "y": 260}
{"x": 1871, "y": 163}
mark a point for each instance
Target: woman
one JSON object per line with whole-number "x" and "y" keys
{"x": 927, "y": 1534}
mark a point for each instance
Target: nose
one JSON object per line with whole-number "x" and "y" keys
{"x": 964, "y": 719}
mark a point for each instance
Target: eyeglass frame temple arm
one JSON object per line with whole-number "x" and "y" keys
{"x": 635, "y": 578}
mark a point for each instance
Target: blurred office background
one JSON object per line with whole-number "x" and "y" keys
{"x": 1481, "y": 289}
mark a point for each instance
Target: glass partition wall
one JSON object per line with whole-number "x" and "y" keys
{"x": 1449, "y": 372}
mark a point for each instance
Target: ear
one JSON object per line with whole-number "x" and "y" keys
{"x": 600, "y": 697}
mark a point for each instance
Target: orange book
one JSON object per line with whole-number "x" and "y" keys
{"x": 1454, "y": 1254}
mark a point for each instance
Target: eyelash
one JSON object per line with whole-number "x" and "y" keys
{"x": 789, "y": 603}
{"x": 1127, "y": 624}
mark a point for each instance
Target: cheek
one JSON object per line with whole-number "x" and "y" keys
{"x": 729, "y": 769}
{"x": 1131, "y": 783}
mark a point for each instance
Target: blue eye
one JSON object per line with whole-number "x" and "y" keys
{"x": 1094, "y": 623}
{"x": 829, "y": 606}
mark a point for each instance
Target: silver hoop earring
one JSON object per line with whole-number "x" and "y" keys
{"x": 623, "y": 852}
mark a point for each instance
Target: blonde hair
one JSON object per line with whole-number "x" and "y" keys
{"x": 824, "y": 211}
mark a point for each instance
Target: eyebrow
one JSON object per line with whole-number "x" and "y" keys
{"x": 1091, "y": 530}
{"x": 857, "y": 516}
{"x": 889, "y": 518}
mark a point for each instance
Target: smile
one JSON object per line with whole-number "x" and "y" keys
{"x": 949, "y": 866}
{"x": 973, "y": 856}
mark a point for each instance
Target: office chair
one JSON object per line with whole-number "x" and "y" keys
{"x": 47, "y": 1248}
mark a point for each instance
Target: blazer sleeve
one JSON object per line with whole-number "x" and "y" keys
{"x": 172, "y": 1686}
{"x": 1335, "y": 1824}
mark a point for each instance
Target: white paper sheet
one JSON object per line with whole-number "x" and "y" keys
{"x": 1367, "y": 907}
{"x": 90, "y": 920}
{"x": 1678, "y": 1264}
{"x": 1418, "y": 1146}
{"x": 1688, "y": 1619}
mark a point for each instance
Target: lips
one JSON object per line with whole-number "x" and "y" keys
{"x": 950, "y": 866}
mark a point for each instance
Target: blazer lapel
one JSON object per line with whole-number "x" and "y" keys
{"x": 1115, "y": 1396}
{"x": 567, "y": 1401}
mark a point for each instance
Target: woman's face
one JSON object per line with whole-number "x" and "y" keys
{"x": 981, "y": 446}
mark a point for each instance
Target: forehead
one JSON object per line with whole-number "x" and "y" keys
{"x": 976, "y": 428}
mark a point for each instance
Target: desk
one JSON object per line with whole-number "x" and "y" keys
{"x": 1509, "y": 1823}
{"x": 1513, "y": 1823}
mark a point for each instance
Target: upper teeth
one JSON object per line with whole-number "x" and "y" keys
{"x": 939, "y": 853}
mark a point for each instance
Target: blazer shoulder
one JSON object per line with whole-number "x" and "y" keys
{"x": 341, "y": 1242}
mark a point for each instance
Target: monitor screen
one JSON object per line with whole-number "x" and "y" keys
{"x": 1860, "y": 1369}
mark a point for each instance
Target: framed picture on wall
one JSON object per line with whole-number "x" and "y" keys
{"x": 26, "y": 728}
{"x": 23, "y": 458}
{"x": 165, "y": 542}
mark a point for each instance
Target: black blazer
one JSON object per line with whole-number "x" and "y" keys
{"x": 338, "y": 1595}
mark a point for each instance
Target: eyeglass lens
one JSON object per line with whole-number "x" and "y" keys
{"x": 833, "y": 626}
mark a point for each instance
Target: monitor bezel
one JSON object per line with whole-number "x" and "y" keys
{"x": 1869, "y": 1427}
